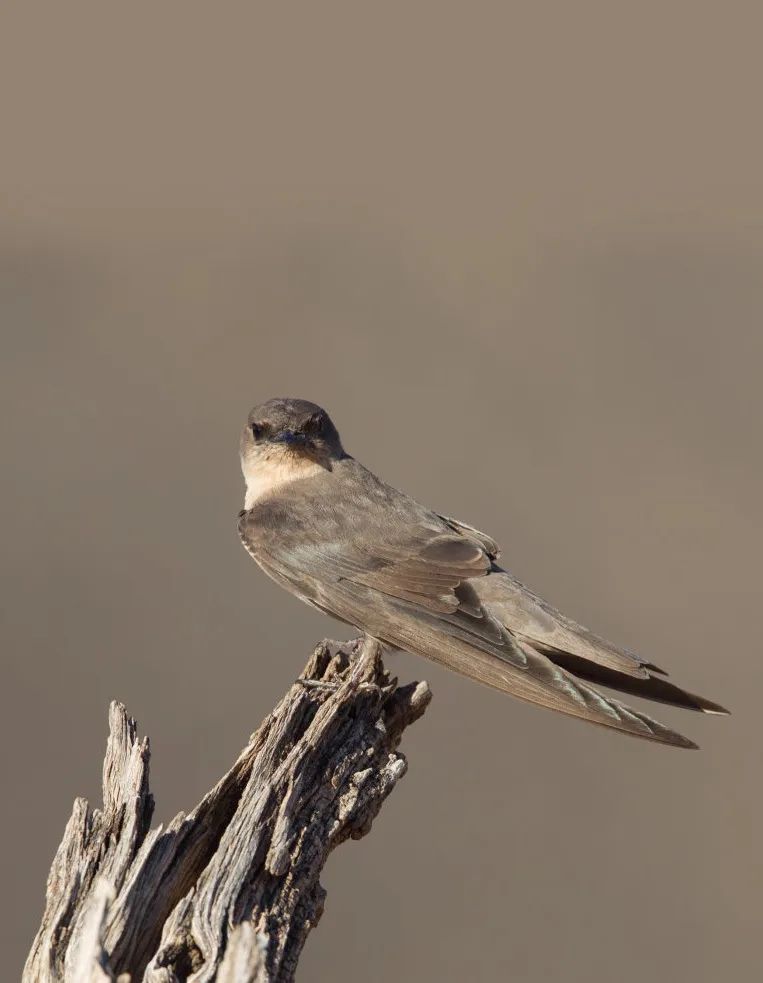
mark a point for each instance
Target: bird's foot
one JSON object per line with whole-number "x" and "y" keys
{"x": 318, "y": 684}
{"x": 365, "y": 662}
{"x": 362, "y": 661}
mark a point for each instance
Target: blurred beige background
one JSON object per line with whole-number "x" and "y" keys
{"x": 516, "y": 250}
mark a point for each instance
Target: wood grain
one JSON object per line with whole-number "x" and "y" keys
{"x": 230, "y": 891}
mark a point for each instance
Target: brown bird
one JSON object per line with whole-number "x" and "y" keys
{"x": 331, "y": 532}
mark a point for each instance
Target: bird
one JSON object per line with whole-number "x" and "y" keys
{"x": 328, "y": 530}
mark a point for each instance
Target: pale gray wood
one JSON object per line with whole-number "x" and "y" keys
{"x": 230, "y": 891}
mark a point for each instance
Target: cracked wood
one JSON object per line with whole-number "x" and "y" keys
{"x": 229, "y": 892}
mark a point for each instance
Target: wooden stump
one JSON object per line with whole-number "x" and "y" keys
{"x": 230, "y": 891}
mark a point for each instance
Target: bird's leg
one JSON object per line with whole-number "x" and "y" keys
{"x": 367, "y": 657}
{"x": 364, "y": 656}
{"x": 318, "y": 684}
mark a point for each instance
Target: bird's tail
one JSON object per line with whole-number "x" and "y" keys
{"x": 544, "y": 683}
{"x": 652, "y": 687}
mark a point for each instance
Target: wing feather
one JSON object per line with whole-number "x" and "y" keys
{"x": 531, "y": 677}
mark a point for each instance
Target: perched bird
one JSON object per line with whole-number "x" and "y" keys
{"x": 331, "y": 532}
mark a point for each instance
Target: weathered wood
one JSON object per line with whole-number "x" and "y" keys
{"x": 230, "y": 891}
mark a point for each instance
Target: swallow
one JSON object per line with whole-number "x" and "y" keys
{"x": 329, "y": 531}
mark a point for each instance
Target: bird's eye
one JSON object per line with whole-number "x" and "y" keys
{"x": 256, "y": 429}
{"x": 316, "y": 424}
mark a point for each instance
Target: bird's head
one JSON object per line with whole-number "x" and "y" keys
{"x": 285, "y": 440}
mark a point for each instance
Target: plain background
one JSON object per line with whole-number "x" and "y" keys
{"x": 516, "y": 250}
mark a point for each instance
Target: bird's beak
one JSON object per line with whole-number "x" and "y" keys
{"x": 289, "y": 437}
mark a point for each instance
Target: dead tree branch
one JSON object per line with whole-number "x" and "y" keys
{"x": 230, "y": 891}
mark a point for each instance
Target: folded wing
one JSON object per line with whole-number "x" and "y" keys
{"x": 430, "y": 585}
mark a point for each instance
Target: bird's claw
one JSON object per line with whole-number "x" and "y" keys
{"x": 318, "y": 684}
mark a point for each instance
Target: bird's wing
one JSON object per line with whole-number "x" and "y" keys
{"x": 376, "y": 559}
{"x": 527, "y": 614}
{"x": 568, "y": 644}
{"x": 510, "y": 664}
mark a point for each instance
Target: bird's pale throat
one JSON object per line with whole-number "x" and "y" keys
{"x": 269, "y": 471}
